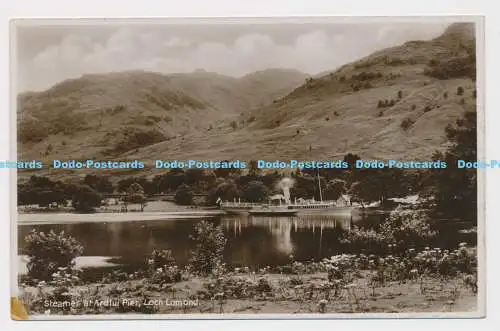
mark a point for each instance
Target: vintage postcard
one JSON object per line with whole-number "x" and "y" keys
{"x": 327, "y": 167}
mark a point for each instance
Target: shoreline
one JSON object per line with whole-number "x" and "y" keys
{"x": 63, "y": 218}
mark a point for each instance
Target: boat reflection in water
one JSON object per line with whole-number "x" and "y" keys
{"x": 304, "y": 236}
{"x": 251, "y": 240}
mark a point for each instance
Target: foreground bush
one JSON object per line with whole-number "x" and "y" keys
{"x": 206, "y": 257}
{"x": 402, "y": 230}
{"x": 49, "y": 253}
{"x": 410, "y": 264}
{"x": 162, "y": 268}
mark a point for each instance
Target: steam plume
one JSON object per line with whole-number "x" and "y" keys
{"x": 285, "y": 184}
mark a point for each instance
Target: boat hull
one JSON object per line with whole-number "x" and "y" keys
{"x": 235, "y": 211}
{"x": 326, "y": 211}
{"x": 272, "y": 213}
{"x": 348, "y": 210}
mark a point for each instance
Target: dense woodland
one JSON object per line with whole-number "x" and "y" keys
{"x": 452, "y": 191}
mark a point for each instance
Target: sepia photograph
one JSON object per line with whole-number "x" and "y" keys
{"x": 248, "y": 167}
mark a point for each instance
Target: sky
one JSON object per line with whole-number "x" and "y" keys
{"x": 47, "y": 54}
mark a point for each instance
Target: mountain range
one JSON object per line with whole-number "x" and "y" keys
{"x": 393, "y": 104}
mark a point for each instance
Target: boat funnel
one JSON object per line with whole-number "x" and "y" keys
{"x": 286, "y": 194}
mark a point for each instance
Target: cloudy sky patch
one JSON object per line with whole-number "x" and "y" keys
{"x": 47, "y": 55}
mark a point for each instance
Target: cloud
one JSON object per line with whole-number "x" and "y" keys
{"x": 312, "y": 51}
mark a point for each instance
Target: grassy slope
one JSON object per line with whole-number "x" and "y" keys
{"x": 325, "y": 114}
{"x": 333, "y": 119}
{"x": 97, "y": 111}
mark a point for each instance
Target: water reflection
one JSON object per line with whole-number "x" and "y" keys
{"x": 304, "y": 237}
{"x": 252, "y": 240}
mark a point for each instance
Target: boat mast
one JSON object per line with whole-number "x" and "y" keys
{"x": 319, "y": 185}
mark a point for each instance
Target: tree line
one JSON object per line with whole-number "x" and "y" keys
{"x": 453, "y": 191}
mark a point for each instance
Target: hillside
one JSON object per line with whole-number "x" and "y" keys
{"x": 106, "y": 115}
{"x": 394, "y": 103}
{"x": 347, "y": 109}
{"x": 240, "y": 94}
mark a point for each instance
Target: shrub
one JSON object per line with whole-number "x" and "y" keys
{"x": 31, "y": 131}
{"x": 327, "y": 119}
{"x": 209, "y": 246}
{"x": 234, "y": 125}
{"x": 161, "y": 258}
{"x": 86, "y": 199}
{"x": 460, "y": 90}
{"x": 48, "y": 253}
{"x": 400, "y": 94}
{"x": 335, "y": 113}
{"x": 402, "y": 230}
{"x": 184, "y": 195}
{"x": 407, "y": 123}
{"x": 407, "y": 229}
{"x": 380, "y": 104}
{"x": 445, "y": 95}
{"x": 132, "y": 138}
{"x": 395, "y": 61}
{"x": 452, "y": 68}
{"x": 137, "y": 198}
{"x": 413, "y": 107}
{"x": 165, "y": 275}
{"x": 255, "y": 191}
{"x": 361, "y": 240}
{"x": 427, "y": 109}
{"x": 462, "y": 101}
{"x": 162, "y": 268}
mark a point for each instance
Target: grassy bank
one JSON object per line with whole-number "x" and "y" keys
{"x": 428, "y": 281}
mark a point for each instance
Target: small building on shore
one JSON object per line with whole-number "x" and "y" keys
{"x": 343, "y": 201}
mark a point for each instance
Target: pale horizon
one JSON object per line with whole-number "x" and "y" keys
{"x": 47, "y": 55}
